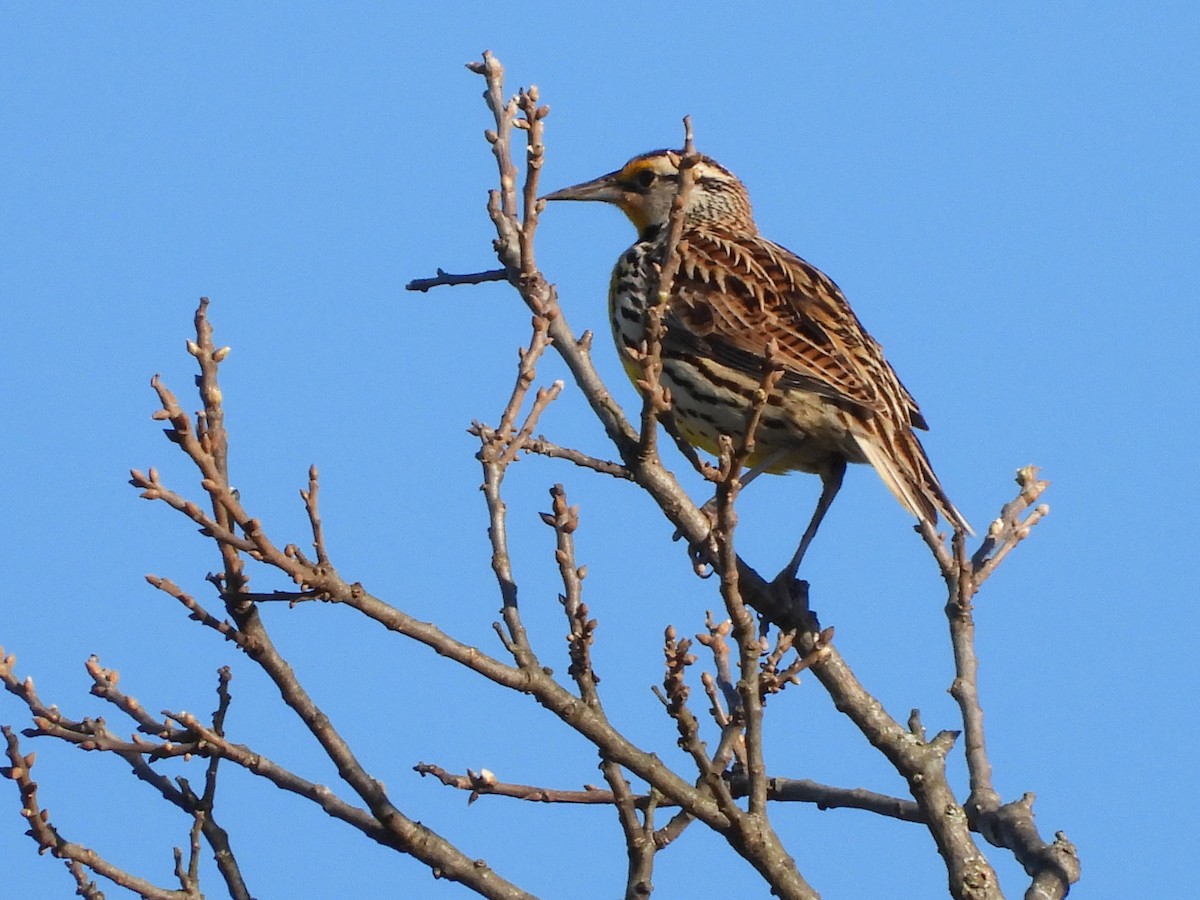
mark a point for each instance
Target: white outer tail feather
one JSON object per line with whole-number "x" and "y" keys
{"x": 900, "y": 486}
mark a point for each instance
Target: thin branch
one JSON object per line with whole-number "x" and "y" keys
{"x": 543, "y": 398}
{"x": 824, "y": 796}
{"x": 965, "y": 688}
{"x": 674, "y": 696}
{"x": 564, "y": 519}
{"x": 312, "y": 507}
{"x": 544, "y": 447}
{"x": 749, "y": 687}
{"x": 1010, "y": 529}
{"x": 526, "y": 373}
{"x": 327, "y": 584}
{"x": 499, "y": 447}
{"x": 218, "y": 837}
{"x": 446, "y": 278}
{"x": 324, "y": 582}
{"x": 714, "y": 638}
{"x": 198, "y": 613}
{"x": 490, "y": 456}
{"x": 532, "y": 122}
{"x": 50, "y": 840}
{"x": 640, "y": 843}
{"x": 656, "y": 402}
{"x": 484, "y": 782}
{"x": 640, "y": 846}
{"x": 84, "y": 886}
{"x": 92, "y": 734}
{"x": 781, "y": 790}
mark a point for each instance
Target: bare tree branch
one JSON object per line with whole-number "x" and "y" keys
{"x": 49, "y": 840}
{"x": 543, "y": 447}
{"x": 446, "y": 278}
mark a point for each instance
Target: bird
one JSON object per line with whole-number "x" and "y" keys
{"x": 741, "y": 305}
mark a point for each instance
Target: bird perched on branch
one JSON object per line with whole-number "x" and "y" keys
{"x": 740, "y": 306}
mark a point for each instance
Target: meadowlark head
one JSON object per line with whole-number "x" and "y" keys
{"x": 645, "y": 187}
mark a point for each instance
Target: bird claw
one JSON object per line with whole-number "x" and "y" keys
{"x": 701, "y": 564}
{"x": 699, "y": 554}
{"x": 699, "y": 551}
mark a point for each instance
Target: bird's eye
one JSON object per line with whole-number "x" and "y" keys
{"x": 644, "y": 178}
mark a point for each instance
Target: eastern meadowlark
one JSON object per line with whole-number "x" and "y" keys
{"x": 837, "y": 400}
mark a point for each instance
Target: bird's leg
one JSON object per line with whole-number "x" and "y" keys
{"x": 700, "y": 560}
{"x": 710, "y": 508}
{"x": 764, "y": 466}
{"x": 831, "y": 483}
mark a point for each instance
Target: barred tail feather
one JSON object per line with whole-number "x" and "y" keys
{"x": 924, "y": 500}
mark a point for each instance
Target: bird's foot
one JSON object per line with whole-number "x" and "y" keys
{"x": 701, "y": 552}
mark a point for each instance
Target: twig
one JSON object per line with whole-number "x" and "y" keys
{"x": 543, "y": 398}
{"x": 532, "y": 122}
{"x": 218, "y": 837}
{"x": 656, "y": 402}
{"x": 638, "y": 832}
{"x": 564, "y": 519}
{"x": 197, "y": 612}
{"x": 311, "y": 506}
{"x": 543, "y": 447}
{"x": 526, "y": 373}
{"x": 714, "y": 639}
{"x": 824, "y": 796}
{"x": 84, "y": 886}
{"x": 50, "y": 840}
{"x": 674, "y": 697}
{"x": 484, "y": 782}
{"x": 1010, "y": 529}
{"x": 499, "y": 447}
{"x": 104, "y": 685}
{"x": 490, "y": 455}
{"x": 446, "y": 278}
{"x": 783, "y": 790}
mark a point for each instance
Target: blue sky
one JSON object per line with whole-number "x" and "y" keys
{"x": 1007, "y": 196}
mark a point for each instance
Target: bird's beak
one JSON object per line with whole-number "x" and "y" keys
{"x": 604, "y": 189}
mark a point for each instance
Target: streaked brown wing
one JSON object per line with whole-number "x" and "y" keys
{"x": 733, "y": 295}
